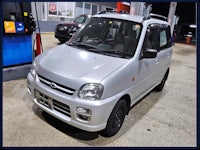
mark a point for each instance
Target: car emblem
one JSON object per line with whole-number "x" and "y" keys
{"x": 52, "y": 85}
{"x": 61, "y": 29}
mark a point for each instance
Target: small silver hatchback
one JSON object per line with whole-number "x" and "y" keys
{"x": 113, "y": 61}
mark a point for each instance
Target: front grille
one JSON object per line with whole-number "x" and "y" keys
{"x": 56, "y": 86}
{"x": 62, "y": 30}
{"x": 44, "y": 100}
{"x": 53, "y": 104}
{"x": 62, "y": 108}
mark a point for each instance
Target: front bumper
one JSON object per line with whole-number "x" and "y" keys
{"x": 52, "y": 101}
{"x": 62, "y": 37}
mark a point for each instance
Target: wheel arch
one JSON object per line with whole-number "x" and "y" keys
{"x": 128, "y": 101}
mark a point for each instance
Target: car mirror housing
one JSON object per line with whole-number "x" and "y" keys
{"x": 150, "y": 53}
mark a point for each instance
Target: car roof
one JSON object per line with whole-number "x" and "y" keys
{"x": 135, "y": 18}
{"x": 121, "y": 16}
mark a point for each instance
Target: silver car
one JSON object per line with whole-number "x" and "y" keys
{"x": 92, "y": 81}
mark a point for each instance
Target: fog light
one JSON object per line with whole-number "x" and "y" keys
{"x": 85, "y": 118}
{"x": 84, "y": 113}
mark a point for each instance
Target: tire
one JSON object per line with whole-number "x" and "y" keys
{"x": 160, "y": 87}
{"x": 116, "y": 119}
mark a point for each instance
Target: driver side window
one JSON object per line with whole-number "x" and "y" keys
{"x": 151, "y": 39}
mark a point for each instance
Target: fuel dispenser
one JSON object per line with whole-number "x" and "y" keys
{"x": 18, "y": 52}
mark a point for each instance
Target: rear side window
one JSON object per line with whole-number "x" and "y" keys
{"x": 165, "y": 38}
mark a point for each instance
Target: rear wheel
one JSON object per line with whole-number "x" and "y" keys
{"x": 116, "y": 119}
{"x": 160, "y": 87}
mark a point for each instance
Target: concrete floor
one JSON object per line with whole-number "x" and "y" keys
{"x": 161, "y": 119}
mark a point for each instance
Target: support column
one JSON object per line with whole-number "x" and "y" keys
{"x": 171, "y": 14}
{"x": 137, "y": 8}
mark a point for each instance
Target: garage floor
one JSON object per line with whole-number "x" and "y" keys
{"x": 162, "y": 119}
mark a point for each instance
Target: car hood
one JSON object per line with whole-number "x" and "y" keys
{"x": 73, "y": 67}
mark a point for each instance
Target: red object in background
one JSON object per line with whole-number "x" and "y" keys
{"x": 119, "y": 6}
{"x": 38, "y": 44}
{"x": 52, "y": 7}
{"x": 188, "y": 39}
{"x": 122, "y": 7}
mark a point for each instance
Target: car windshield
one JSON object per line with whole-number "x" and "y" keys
{"x": 108, "y": 36}
{"x": 80, "y": 19}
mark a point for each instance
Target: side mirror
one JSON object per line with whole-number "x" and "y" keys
{"x": 150, "y": 53}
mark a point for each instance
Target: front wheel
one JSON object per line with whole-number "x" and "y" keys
{"x": 116, "y": 119}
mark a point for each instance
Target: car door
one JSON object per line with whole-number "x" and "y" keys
{"x": 148, "y": 68}
{"x": 164, "y": 50}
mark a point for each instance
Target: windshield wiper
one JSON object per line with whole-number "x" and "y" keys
{"x": 81, "y": 44}
{"x": 122, "y": 54}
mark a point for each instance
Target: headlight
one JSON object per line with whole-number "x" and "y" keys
{"x": 74, "y": 29}
{"x": 91, "y": 91}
